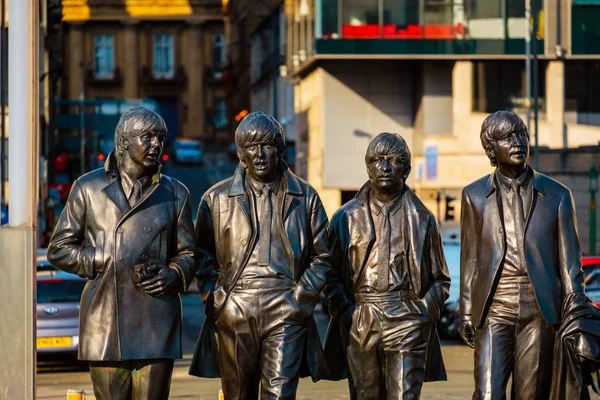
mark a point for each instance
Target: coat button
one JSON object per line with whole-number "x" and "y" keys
{"x": 501, "y": 230}
{"x": 120, "y": 257}
{"x": 145, "y": 256}
{"x": 120, "y": 230}
{"x": 244, "y": 242}
{"x": 147, "y": 229}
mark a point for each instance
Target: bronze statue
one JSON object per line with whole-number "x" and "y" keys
{"x": 520, "y": 259}
{"x": 262, "y": 240}
{"x": 388, "y": 282}
{"x": 129, "y": 230}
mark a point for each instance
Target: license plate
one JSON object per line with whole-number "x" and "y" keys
{"x": 54, "y": 341}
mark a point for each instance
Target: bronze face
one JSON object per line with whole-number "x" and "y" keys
{"x": 144, "y": 150}
{"x": 512, "y": 150}
{"x": 385, "y": 173}
{"x": 261, "y": 161}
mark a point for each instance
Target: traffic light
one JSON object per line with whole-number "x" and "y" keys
{"x": 449, "y": 208}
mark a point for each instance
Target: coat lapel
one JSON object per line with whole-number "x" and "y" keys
{"x": 292, "y": 191}
{"x": 114, "y": 191}
{"x": 363, "y": 220}
{"x": 238, "y": 190}
{"x": 537, "y": 195}
{"x": 493, "y": 231}
{"x": 415, "y": 222}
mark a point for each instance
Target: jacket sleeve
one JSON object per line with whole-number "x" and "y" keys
{"x": 67, "y": 250}
{"x": 438, "y": 292}
{"x": 337, "y": 300}
{"x": 208, "y": 270}
{"x": 312, "y": 281}
{"x": 569, "y": 253}
{"x": 184, "y": 259}
{"x": 468, "y": 255}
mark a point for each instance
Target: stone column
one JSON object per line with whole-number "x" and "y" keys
{"x": 194, "y": 127}
{"x": 462, "y": 97}
{"x": 76, "y": 56}
{"x": 130, "y": 67}
{"x": 555, "y": 103}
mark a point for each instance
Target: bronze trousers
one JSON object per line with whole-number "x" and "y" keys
{"x": 514, "y": 339}
{"x": 387, "y": 346}
{"x": 261, "y": 341}
{"x": 132, "y": 379}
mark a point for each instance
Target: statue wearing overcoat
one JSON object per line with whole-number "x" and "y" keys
{"x": 225, "y": 232}
{"x": 551, "y": 246}
{"x": 352, "y": 235}
{"x": 100, "y": 237}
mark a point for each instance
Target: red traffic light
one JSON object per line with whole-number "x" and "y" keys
{"x": 165, "y": 157}
{"x": 100, "y": 157}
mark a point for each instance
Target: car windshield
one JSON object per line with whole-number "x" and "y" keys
{"x": 59, "y": 290}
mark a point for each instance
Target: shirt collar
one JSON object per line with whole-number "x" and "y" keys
{"x": 128, "y": 182}
{"x": 394, "y": 205}
{"x": 257, "y": 187}
{"x": 505, "y": 181}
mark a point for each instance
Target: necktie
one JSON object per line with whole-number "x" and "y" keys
{"x": 519, "y": 217}
{"x": 383, "y": 250}
{"x": 264, "y": 241}
{"x": 136, "y": 193}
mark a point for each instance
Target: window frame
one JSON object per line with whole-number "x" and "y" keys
{"x": 161, "y": 44}
{"x": 106, "y": 68}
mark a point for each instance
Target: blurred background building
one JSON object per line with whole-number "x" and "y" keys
{"x": 432, "y": 71}
{"x": 335, "y": 73}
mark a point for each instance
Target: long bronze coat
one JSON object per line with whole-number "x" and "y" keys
{"x": 552, "y": 252}
{"x": 352, "y": 235}
{"x": 100, "y": 237}
{"x": 225, "y": 231}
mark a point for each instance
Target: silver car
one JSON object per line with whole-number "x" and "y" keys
{"x": 58, "y": 295}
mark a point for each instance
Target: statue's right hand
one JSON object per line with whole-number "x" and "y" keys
{"x": 467, "y": 332}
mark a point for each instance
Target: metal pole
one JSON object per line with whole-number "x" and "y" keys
{"x": 82, "y": 124}
{"x": 276, "y": 52}
{"x": 3, "y": 54}
{"x": 536, "y": 147}
{"x": 592, "y": 223}
{"x": 528, "y": 63}
{"x": 593, "y": 183}
{"x": 18, "y": 240}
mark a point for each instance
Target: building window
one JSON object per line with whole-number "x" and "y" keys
{"x": 582, "y": 82}
{"x": 104, "y": 56}
{"x": 500, "y": 85}
{"x": 163, "y": 56}
{"x": 220, "y": 108}
{"x": 218, "y": 48}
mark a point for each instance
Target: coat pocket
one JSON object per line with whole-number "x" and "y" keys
{"x": 99, "y": 257}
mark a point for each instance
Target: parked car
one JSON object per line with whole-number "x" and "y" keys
{"x": 58, "y": 296}
{"x": 187, "y": 151}
{"x": 591, "y": 270}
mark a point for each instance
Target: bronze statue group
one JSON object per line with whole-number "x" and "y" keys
{"x": 262, "y": 251}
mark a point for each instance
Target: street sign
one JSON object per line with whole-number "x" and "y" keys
{"x": 431, "y": 158}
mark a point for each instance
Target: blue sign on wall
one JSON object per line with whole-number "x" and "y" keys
{"x": 3, "y": 216}
{"x": 431, "y": 158}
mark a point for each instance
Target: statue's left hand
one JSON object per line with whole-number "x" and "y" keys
{"x": 165, "y": 282}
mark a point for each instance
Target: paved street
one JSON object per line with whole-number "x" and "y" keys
{"x": 52, "y": 384}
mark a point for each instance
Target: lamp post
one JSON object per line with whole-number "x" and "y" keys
{"x": 593, "y": 188}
